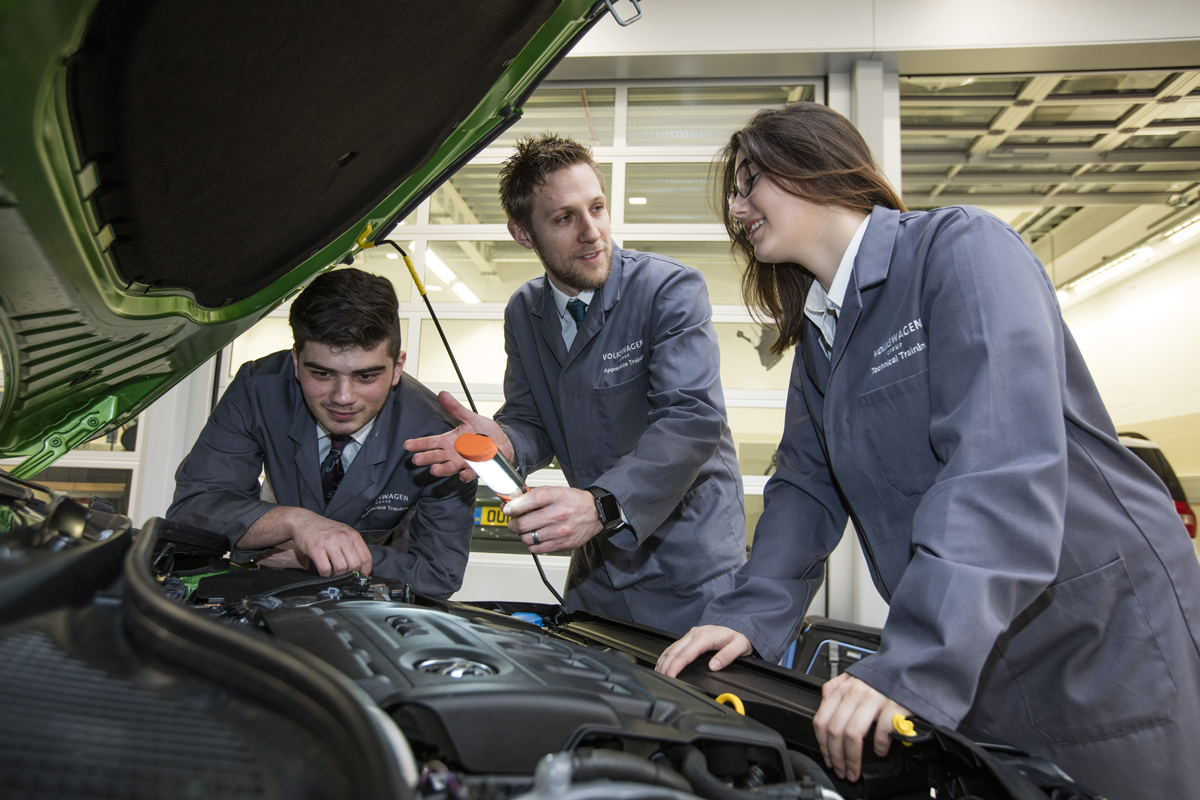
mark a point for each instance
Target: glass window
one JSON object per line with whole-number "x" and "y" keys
{"x": 746, "y": 362}
{"x": 1184, "y": 109}
{"x": 756, "y": 434}
{"x": 701, "y": 115}
{"x": 671, "y": 193}
{"x": 1111, "y": 84}
{"x": 1057, "y": 114}
{"x": 948, "y": 116}
{"x": 121, "y": 440}
{"x": 754, "y": 510}
{"x": 84, "y": 483}
{"x": 585, "y": 115}
{"x": 478, "y": 347}
{"x": 917, "y": 141}
{"x": 387, "y": 262}
{"x": 713, "y": 259}
{"x": 489, "y": 271}
{"x": 471, "y": 196}
{"x": 1002, "y": 86}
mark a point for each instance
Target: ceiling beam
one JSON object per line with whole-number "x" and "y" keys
{"x": 1032, "y": 157}
{"x": 1028, "y": 178}
{"x": 1082, "y": 199}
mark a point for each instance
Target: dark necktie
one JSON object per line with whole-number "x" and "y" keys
{"x": 577, "y": 308}
{"x": 332, "y": 470}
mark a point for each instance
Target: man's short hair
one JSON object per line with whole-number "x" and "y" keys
{"x": 537, "y": 158}
{"x": 347, "y": 308}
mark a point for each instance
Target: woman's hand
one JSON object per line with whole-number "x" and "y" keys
{"x": 729, "y": 643}
{"x": 848, "y": 707}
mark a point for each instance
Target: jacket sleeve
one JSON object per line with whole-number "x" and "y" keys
{"x": 439, "y": 540}
{"x": 988, "y": 532}
{"x": 217, "y": 485}
{"x": 687, "y": 410}
{"x": 802, "y": 522}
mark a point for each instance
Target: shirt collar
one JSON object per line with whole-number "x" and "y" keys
{"x": 359, "y": 436}
{"x": 560, "y": 298}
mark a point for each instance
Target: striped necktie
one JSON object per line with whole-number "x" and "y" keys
{"x": 332, "y": 470}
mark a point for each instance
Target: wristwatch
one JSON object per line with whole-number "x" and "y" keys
{"x": 607, "y": 509}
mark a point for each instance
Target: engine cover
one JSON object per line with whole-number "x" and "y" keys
{"x": 465, "y": 687}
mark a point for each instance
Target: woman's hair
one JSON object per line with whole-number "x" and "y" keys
{"x": 810, "y": 151}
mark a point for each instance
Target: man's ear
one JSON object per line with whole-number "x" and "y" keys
{"x": 296, "y": 362}
{"x": 521, "y": 236}
{"x": 398, "y": 370}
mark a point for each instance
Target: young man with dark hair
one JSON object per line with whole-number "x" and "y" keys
{"x": 325, "y": 421}
{"x": 613, "y": 367}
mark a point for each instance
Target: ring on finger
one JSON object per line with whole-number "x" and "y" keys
{"x": 535, "y": 538}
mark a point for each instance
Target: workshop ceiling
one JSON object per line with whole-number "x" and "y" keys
{"x": 1086, "y": 166}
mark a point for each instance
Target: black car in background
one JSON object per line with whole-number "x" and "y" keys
{"x": 1152, "y": 455}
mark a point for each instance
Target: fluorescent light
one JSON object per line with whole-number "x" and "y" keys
{"x": 637, "y": 201}
{"x": 1112, "y": 269}
{"x": 466, "y": 294}
{"x": 429, "y": 288}
{"x": 393, "y": 256}
{"x": 1062, "y": 296}
{"x": 439, "y": 267}
{"x": 1185, "y": 231}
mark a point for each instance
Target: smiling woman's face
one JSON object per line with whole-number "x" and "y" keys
{"x": 781, "y": 227}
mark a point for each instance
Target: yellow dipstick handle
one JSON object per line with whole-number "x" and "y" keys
{"x": 416, "y": 278}
{"x": 903, "y": 726}
{"x": 729, "y": 699}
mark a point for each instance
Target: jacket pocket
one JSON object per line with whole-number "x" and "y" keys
{"x": 623, "y": 411}
{"x": 1087, "y": 661}
{"x": 702, "y": 540}
{"x": 895, "y": 423}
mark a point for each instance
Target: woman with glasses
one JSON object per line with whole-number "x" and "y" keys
{"x": 1042, "y": 589}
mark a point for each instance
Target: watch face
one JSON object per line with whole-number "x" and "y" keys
{"x": 606, "y": 506}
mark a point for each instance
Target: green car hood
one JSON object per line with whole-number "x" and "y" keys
{"x": 171, "y": 171}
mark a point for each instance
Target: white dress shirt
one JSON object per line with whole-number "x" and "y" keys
{"x": 824, "y": 307}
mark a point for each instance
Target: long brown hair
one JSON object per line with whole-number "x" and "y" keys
{"x": 810, "y": 151}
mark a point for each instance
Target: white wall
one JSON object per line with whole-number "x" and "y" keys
{"x": 1141, "y": 339}
{"x": 805, "y": 26}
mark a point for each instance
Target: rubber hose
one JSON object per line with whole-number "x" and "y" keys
{"x": 618, "y": 766}
{"x": 704, "y": 783}
{"x": 805, "y": 767}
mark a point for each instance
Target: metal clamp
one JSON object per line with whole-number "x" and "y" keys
{"x": 624, "y": 23}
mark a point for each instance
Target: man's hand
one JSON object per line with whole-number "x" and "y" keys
{"x": 438, "y": 452}
{"x": 285, "y": 556}
{"x": 728, "y": 643}
{"x": 848, "y": 707}
{"x": 333, "y": 547}
{"x": 562, "y": 518}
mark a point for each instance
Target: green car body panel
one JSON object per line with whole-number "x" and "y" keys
{"x": 84, "y": 351}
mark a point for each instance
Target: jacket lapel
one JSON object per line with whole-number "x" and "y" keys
{"x": 303, "y": 433}
{"x": 870, "y": 269}
{"x": 550, "y": 326}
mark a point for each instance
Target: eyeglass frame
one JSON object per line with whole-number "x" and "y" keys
{"x": 751, "y": 180}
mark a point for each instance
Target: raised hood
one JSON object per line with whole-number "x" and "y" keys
{"x": 171, "y": 171}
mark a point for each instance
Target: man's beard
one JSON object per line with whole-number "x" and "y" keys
{"x": 570, "y": 275}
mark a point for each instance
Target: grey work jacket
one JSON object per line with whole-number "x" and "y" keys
{"x": 636, "y": 408}
{"x": 417, "y": 526}
{"x": 1041, "y": 586}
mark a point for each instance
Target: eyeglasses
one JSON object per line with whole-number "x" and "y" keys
{"x": 743, "y": 181}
